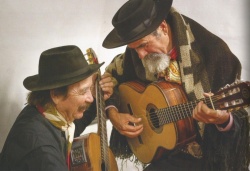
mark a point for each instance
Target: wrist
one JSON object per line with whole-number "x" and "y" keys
{"x": 111, "y": 111}
{"x": 223, "y": 125}
{"x": 227, "y": 125}
{"x": 222, "y": 117}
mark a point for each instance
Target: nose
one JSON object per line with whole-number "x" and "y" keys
{"x": 89, "y": 97}
{"x": 142, "y": 53}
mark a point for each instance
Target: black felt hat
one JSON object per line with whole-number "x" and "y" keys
{"x": 135, "y": 20}
{"x": 60, "y": 66}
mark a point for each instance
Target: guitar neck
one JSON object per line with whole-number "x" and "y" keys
{"x": 91, "y": 151}
{"x": 177, "y": 112}
{"x": 231, "y": 98}
{"x": 100, "y": 103}
{"x": 101, "y": 115}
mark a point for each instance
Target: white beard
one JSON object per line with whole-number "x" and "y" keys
{"x": 156, "y": 62}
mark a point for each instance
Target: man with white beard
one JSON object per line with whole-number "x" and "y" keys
{"x": 163, "y": 44}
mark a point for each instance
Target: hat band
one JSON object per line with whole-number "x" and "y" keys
{"x": 84, "y": 71}
{"x": 141, "y": 27}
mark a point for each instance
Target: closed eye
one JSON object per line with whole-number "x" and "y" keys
{"x": 143, "y": 45}
{"x": 86, "y": 89}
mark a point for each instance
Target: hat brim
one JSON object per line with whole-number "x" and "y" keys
{"x": 33, "y": 83}
{"x": 113, "y": 40}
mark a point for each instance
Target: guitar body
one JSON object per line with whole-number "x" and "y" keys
{"x": 155, "y": 140}
{"x": 92, "y": 149}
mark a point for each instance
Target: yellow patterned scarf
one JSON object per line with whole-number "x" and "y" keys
{"x": 172, "y": 73}
{"x": 56, "y": 119}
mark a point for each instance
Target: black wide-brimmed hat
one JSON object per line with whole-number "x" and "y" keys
{"x": 60, "y": 66}
{"x": 135, "y": 20}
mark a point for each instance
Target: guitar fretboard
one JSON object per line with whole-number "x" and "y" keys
{"x": 102, "y": 128}
{"x": 178, "y": 112}
{"x": 234, "y": 97}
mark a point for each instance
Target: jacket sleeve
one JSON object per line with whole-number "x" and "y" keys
{"x": 228, "y": 150}
{"x": 115, "y": 68}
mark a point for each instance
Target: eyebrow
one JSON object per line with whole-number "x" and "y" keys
{"x": 85, "y": 89}
{"x": 142, "y": 45}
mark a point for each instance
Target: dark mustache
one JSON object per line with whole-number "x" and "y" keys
{"x": 84, "y": 107}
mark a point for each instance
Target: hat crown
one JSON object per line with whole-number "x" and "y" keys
{"x": 60, "y": 61}
{"x": 60, "y": 66}
{"x": 131, "y": 15}
{"x": 135, "y": 20}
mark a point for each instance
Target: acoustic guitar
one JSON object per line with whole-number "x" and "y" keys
{"x": 91, "y": 152}
{"x": 166, "y": 114}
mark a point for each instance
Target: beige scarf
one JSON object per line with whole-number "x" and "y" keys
{"x": 56, "y": 119}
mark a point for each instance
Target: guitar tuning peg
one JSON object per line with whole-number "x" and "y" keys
{"x": 236, "y": 82}
{"x": 222, "y": 88}
{"x": 239, "y": 81}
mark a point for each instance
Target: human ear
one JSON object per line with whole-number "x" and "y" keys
{"x": 164, "y": 27}
{"x": 55, "y": 98}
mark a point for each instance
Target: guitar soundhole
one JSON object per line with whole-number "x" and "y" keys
{"x": 154, "y": 120}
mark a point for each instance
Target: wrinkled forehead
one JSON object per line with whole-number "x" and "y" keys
{"x": 87, "y": 82}
{"x": 141, "y": 41}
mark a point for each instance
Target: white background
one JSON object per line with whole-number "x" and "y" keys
{"x": 28, "y": 27}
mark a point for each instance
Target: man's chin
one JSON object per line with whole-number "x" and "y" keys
{"x": 79, "y": 115}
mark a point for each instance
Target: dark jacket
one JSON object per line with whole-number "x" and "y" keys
{"x": 33, "y": 143}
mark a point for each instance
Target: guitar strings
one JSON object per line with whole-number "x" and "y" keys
{"x": 162, "y": 116}
{"x": 102, "y": 123}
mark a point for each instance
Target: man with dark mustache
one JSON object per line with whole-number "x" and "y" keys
{"x": 42, "y": 135}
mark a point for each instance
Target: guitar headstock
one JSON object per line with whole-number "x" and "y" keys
{"x": 92, "y": 58}
{"x": 234, "y": 96}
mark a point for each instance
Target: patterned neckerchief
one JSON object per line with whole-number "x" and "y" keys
{"x": 172, "y": 73}
{"x": 56, "y": 119}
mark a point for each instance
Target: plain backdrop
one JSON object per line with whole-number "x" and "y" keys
{"x": 28, "y": 27}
